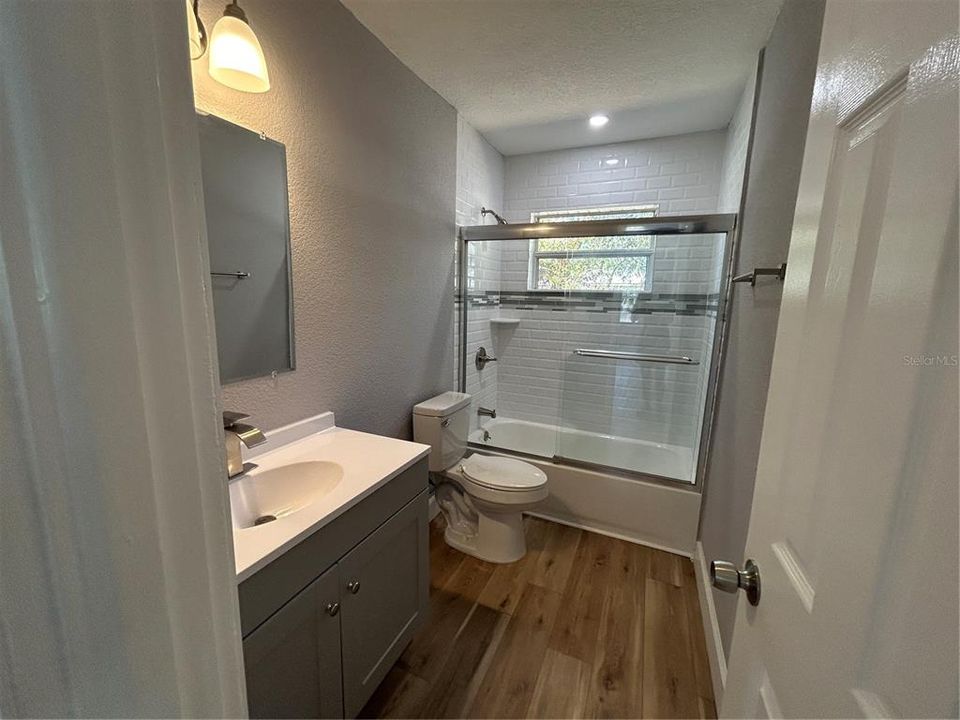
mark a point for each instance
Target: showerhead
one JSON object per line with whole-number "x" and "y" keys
{"x": 500, "y": 220}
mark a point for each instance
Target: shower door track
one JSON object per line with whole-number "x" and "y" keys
{"x": 668, "y": 225}
{"x": 713, "y": 223}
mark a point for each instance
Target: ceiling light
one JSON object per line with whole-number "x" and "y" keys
{"x": 196, "y": 33}
{"x": 598, "y": 121}
{"x": 236, "y": 58}
{"x": 611, "y": 161}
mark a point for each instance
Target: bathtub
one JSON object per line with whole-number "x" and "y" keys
{"x": 628, "y": 506}
{"x": 546, "y": 441}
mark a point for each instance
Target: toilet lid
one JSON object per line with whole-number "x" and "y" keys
{"x": 500, "y": 473}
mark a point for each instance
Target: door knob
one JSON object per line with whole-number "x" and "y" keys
{"x": 333, "y": 608}
{"x": 725, "y": 576}
{"x": 353, "y": 586}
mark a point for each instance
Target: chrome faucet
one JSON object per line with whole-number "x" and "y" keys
{"x": 486, "y": 412}
{"x": 236, "y": 432}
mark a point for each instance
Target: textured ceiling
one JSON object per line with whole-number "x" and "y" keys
{"x": 527, "y": 73}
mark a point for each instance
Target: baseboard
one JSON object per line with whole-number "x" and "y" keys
{"x": 711, "y": 628}
{"x": 608, "y": 533}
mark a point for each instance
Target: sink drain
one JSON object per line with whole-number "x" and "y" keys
{"x": 264, "y": 519}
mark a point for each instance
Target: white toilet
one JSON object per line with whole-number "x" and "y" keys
{"x": 482, "y": 497}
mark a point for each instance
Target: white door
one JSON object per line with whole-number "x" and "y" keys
{"x": 854, "y": 523}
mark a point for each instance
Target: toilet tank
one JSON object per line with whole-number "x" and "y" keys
{"x": 443, "y": 423}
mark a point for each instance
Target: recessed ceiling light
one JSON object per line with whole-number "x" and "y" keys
{"x": 598, "y": 121}
{"x": 611, "y": 161}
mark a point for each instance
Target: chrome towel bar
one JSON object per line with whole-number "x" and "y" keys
{"x": 751, "y": 277}
{"x": 640, "y": 357}
{"x": 239, "y": 274}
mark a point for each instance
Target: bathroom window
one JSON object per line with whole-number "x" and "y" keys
{"x": 597, "y": 264}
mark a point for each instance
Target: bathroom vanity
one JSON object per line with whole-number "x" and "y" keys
{"x": 332, "y": 589}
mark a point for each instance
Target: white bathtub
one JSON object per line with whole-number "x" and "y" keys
{"x": 546, "y": 441}
{"x": 661, "y": 515}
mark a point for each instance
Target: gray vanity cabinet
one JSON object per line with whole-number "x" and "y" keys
{"x": 292, "y": 661}
{"x": 324, "y": 622}
{"x": 384, "y": 593}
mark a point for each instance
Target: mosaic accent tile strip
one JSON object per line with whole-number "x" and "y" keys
{"x": 637, "y": 303}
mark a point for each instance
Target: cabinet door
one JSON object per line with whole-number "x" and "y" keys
{"x": 384, "y": 590}
{"x": 292, "y": 661}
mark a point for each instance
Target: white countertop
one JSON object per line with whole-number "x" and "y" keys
{"x": 368, "y": 461}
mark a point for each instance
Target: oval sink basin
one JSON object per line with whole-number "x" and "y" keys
{"x": 272, "y": 494}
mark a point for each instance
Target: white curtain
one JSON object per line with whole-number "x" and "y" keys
{"x": 117, "y": 588}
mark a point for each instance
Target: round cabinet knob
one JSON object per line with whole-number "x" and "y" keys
{"x": 353, "y": 586}
{"x": 333, "y": 608}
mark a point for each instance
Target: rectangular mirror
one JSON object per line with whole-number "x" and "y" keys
{"x": 248, "y": 230}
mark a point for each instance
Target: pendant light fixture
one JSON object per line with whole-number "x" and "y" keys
{"x": 196, "y": 32}
{"x": 236, "y": 58}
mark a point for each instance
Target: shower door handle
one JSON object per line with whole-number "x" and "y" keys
{"x": 640, "y": 357}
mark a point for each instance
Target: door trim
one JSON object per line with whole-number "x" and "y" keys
{"x": 711, "y": 626}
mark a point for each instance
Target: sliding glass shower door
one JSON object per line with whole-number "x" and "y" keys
{"x": 637, "y": 372}
{"x": 604, "y": 332}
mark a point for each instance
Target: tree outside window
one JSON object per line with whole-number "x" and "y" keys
{"x": 601, "y": 264}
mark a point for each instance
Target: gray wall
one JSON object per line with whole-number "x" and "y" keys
{"x": 771, "y": 191}
{"x": 371, "y": 157}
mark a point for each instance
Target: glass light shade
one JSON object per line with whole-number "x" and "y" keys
{"x": 193, "y": 33}
{"x": 236, "y": 59}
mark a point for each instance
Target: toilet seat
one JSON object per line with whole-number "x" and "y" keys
{"x": 514, "y": 484}
{"x": 502, "y": 474}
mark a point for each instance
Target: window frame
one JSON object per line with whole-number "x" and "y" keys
{"x": 622, "y": 212}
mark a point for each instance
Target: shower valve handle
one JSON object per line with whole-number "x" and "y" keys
{"x": 482, "y": 358}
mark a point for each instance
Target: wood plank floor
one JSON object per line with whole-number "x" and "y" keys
{"x": 584, "y": 626}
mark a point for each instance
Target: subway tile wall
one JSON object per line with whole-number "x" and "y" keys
{"x": 480, "y": 175}
{"x": 735, "y": 152}
{"x": 539, "y": 379}
{"x": 676, "y": 175}
{"x": 680, "y": 174}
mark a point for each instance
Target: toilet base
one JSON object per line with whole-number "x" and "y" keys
{"x": 482, "y": 522}
{"x": 499, "y": 538}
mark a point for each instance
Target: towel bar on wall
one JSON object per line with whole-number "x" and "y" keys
{"x": 751, "y": 277}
